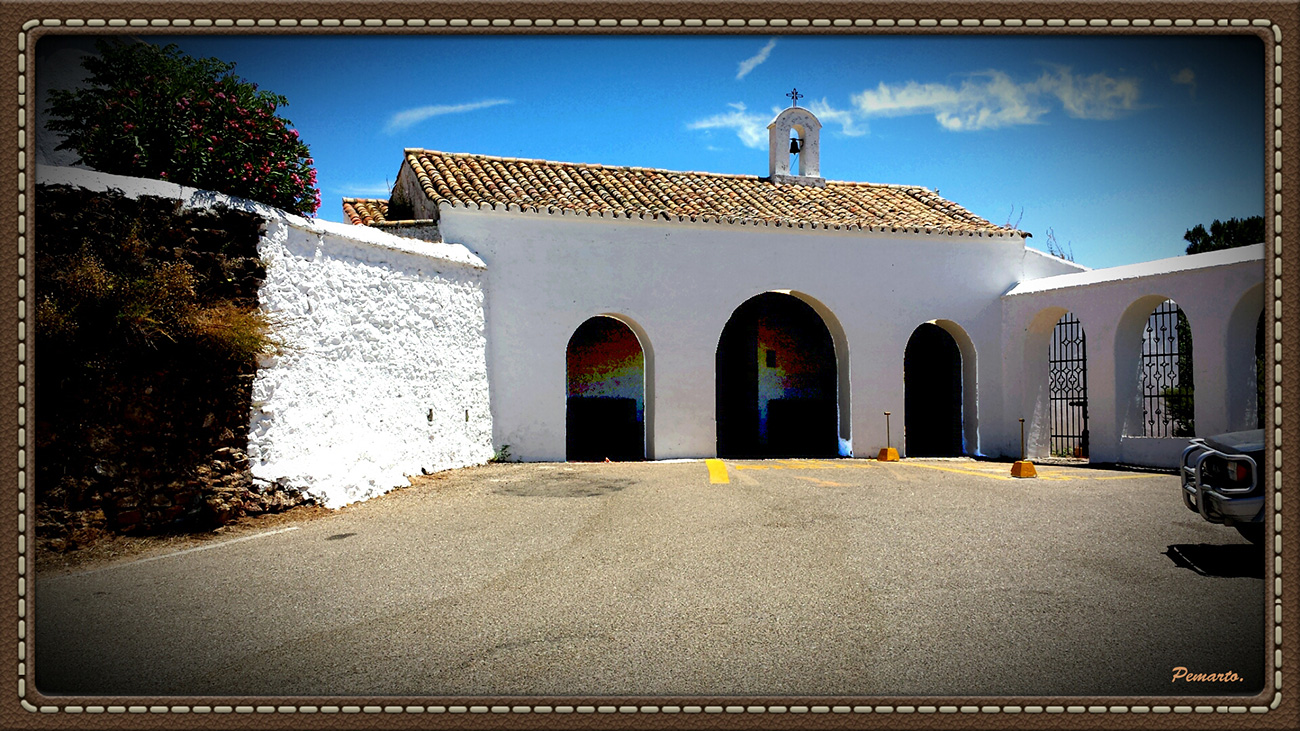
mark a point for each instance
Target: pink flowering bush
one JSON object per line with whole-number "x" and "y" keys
{"x": 154, "y": 112}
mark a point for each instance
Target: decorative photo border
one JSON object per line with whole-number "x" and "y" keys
{"x": 1277, "y": 24}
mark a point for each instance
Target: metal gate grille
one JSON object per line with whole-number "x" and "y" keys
{"x": 1068, "y": 361}
{"x": 1167, "y": 406}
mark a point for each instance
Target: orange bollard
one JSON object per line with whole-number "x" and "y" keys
{"x": 887, "y": 453}
{"x": 1023, "y": 467}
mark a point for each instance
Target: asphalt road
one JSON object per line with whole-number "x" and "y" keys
{"x": 794, "y": 578}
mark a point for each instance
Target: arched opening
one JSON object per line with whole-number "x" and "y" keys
{"x": 1068, "y": 376}
{"x": 933, "y": 394}
{"x": 1246, "y": 374}
{"x": 1168, "y": 406}
{"x": 776, "y": 379}
{"x": 797, "y": 141}
{"x": 605, "y": 408}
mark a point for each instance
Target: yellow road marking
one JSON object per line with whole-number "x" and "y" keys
{"x": 950, "y": 469}
{"x": 998, "y": 473}
{"x": 717, "y": 472}
{"x": 807, "y": 465}
{"x": 817, "y": 481}
{"x": 810, "y": 464}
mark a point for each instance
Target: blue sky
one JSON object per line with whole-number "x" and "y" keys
{"x": 1118, "y": 144}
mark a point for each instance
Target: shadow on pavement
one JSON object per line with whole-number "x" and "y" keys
{"x": 1231, "y": 561}
{"x": 565, "y": 484}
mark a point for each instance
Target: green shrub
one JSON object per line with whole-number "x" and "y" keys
{"x": 154, "y": 112}
{"x": 1179, "y": 411}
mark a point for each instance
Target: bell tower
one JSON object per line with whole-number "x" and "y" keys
{"x": 795, "y": 134}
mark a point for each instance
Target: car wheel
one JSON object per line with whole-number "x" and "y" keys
{"x": 1253, "y": 532}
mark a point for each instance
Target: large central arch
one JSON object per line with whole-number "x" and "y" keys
{"x": 778, "y": 381}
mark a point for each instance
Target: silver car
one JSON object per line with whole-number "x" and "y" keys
{"x": 1222, "y": 480}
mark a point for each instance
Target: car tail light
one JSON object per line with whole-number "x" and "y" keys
{"x": 1238, "y": 471}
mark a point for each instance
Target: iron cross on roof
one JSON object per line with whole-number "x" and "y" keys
{"x": 795, "y": 95}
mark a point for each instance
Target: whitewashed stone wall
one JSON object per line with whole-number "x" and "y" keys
{"x": 383, "y": 373}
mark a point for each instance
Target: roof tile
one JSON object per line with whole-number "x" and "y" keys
{"x": 365, "y": 211}
{"x": 542, "y": 185}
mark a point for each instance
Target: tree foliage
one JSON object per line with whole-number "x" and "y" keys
{"x": 154, "y": 112}
{"x": 1225, "y": 234}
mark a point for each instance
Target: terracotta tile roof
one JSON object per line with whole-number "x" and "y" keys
{"x": 365, "y": 211}
{"x": 543, "y": 185}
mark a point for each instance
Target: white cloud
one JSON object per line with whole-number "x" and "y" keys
{"x": 1188, "y": 77}
{"x": 843, "y": 117}
{"x": 986, "y": 100}
{"x": 1090, "y": 97}
{"x": 410, "y": 117}
{"x": 363, "y": 191}
{"x": 991, "y": 99}
{"x": 749, "y": 64}
{"x": 750, "y": 128}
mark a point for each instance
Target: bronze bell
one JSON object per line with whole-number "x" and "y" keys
{"x": 795, "y": 144}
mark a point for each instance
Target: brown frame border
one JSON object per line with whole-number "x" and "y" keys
{"x": 1275, "y": 22}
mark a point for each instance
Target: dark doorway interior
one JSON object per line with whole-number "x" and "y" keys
{"x": 932, "y": 394}
{"x": 602, "y": 427}
{"x": 605, "y": 407}
{"x": 776, "y": 381}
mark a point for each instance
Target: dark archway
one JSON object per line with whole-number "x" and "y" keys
{"x": 605, "y": 404}
{"x": 932, "y": 393}
{"x": 776, "y": 381}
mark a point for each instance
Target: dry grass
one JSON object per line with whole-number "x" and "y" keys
{"x": 108, "y": 548}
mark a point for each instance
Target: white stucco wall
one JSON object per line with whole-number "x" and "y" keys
{"x": 1038, "y": 264}
{"x": 384, "y": 372}
{"x": 1220, "y": 292}
{"x": 380, "y": 332}
{"x": 679, "y": 283}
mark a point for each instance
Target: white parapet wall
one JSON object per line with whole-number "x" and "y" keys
{"x": 1221, "y": 293}
{"x": 383, "y": 373}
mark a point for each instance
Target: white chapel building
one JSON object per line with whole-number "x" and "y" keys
{"x": 546, "y": 311}
{"x": 636, "y": 313}
{"x": 539, "y": 310}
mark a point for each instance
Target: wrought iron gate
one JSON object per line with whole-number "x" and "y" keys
{"x": 1167, "y": 406}
{"x": 1068, "y": 361}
